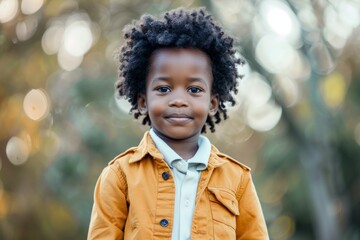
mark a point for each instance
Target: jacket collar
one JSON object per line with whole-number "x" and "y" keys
{"x": 215, "y": 160}
{"x": 147, "y": 146}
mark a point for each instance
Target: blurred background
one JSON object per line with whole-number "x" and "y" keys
{"x": 296, "y": 124}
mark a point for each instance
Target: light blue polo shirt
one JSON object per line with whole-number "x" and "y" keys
{"x": 186, "y": 174}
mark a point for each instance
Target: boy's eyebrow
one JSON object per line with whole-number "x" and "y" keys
{"x": 156, "y": 79}
{"x": 198, "y": 79}
{"x": 160, "y": 79}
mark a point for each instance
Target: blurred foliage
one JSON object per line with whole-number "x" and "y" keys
{"x": 297, "y": 122}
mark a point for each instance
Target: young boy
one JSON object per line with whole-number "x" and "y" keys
{"x": 177, "y": 72}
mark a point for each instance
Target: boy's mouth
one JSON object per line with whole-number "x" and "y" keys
{"x": 178, "y": 118}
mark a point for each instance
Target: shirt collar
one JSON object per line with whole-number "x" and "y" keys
{"x": 199, "y": 160}
{"x": 147, "y": 146}
{"x": 201, "y": 157}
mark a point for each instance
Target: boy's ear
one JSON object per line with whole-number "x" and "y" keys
{"x": 214, "y": 105}
{"x": 142, "y": 104}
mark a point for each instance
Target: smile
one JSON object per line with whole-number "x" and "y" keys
{"x": 178, "y": 118}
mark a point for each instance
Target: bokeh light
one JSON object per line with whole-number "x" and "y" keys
{"x": 77, "y": 38}
{"x": 52, "y": 38}
{"x": 122, "y": 104}
{"x": 67, "y": 61}
{"x": 277, "y": 16}
{"x": 8, "y": 10}
{"x": 263, "y": 117}
{"x": 288, "y": 89}
{"x": 340, "y": 21}
{"x": 17, "y": 150}
{"x": 349, "y": 13}
{"x": 36, "y": 104}
{"x": 255, "y": 90}
{"x": 30, "y": 6}
{"x": 26, "y": 29}
{"x": 260, "y": 112}
{"x": 71, "y": 42}
{"x": 275, "y": 54}
{"x": 308, "y": 19}
{"x": 70, "y": 39}
{"x": 333, "y": 90}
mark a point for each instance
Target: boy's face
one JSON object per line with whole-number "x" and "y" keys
{"x": 178, "y": 96}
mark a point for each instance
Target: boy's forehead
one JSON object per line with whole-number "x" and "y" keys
{"x": 165, "y": 56}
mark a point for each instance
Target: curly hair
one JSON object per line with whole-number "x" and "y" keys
{"x": 179, "y": 28}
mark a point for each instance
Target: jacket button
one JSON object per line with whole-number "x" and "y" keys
{"x": 165, "y": 175}
{"x": 164, "y": 222}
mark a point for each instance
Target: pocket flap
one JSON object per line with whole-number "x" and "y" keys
{"x": 226, "y": 197}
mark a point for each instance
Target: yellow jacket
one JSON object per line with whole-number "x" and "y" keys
{"x": 134, "y": 199}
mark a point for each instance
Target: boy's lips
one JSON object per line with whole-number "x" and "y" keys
{"x": 178, "y": 118}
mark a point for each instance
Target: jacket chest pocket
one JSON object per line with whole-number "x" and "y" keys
{"x": 224, "y": 209}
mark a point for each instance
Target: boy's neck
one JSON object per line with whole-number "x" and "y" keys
{"x": 185, "y": 148}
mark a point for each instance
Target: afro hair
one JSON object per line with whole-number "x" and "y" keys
{"x": 179, "y": 28}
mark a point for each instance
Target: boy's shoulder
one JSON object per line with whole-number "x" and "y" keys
{"x": 137, "y": 153}
{"x": 230, "y": 159}
{"x": 124, "y": 156}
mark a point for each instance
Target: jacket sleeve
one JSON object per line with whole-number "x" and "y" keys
{"x": 250, "y": 224}
{"x": 109, "y": 211}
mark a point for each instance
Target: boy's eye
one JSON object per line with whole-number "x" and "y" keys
{"x": 163, "y": 89}
{"x": 194, "y": 89}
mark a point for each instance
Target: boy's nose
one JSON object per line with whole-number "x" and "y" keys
{"x": 178, "y": 100}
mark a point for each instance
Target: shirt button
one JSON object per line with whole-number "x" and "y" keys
{"x": 165, "y": 175}
{"x": 164, "y": 222}
{"x": 187, "y": 203}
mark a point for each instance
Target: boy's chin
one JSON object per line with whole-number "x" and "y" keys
{"x": 179, "y": 134}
